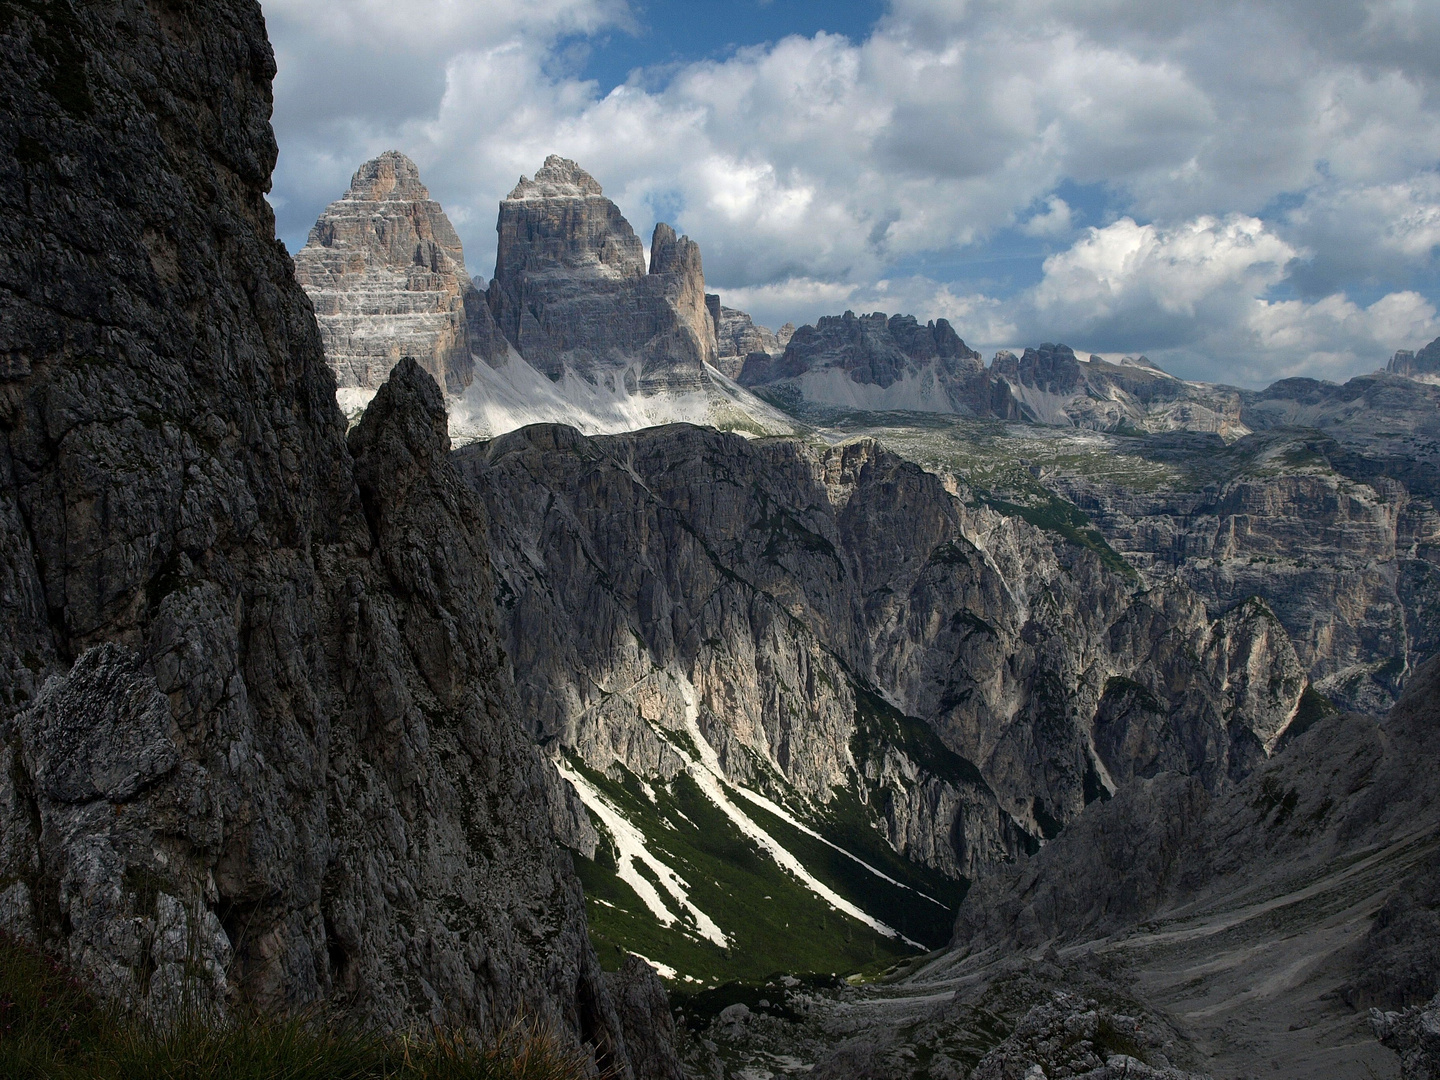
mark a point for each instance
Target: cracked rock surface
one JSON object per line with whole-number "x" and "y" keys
{"x": 256, "y": 729}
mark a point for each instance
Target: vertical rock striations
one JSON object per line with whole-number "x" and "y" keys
{"x": 586, "y": 334}
{"x": 784, "y": 585}
{"x": 386, "y": 273}
{"x": 256, "y": 730}
{"x": 571, "y": 290}
{"x": 739, "y": 336}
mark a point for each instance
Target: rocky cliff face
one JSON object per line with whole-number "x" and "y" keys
{"x": 1166, "y": 856}
{"x": 1416, "y": 365}
{"x": 870, "y": 362}
{"x": 760, "y": 589}
{"x": 571, "y": 290}
{"x": 386, "y": 273}
{"x": 1178, "y": 926}
{"x": 586, "y": 334}
{"x": 1051, "y": 385}
{"x": 257, "y": 731}
{"x": 1335, "y": 528}
{"x": 875, "y": 362}
{"x": 739, "y": 336}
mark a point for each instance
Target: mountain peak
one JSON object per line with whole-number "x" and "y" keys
{"x": 392, "y": 175}
{"x": 386, "y": 272}
{"x": 558, "y": 178}
{"x": 1424, "y": 362}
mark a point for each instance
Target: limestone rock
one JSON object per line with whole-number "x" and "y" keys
{"x": 257, "y": 737}
{"x": 1077, "y": 1037}
{"x": 739, "y": 336}
{"x": 101, "y": 732}
{"x": 1414, "y": 1034}
{"x": 1336, "y": 533}
{"x": 1343, "y": 813}
{"x": 876, "y": 362}
{"x": 1343, "y": 784}
{"x": 571, "y": 290}
{"x": 386, "y": 273}
{"x": 387, "y": 276}
{"x": 767, "y": 576}
{"x": 871, "y": 362}
{"x": 1420, "y": 364}
{"x": 1051, "y": 385}
{"x": 644, "y": 1012}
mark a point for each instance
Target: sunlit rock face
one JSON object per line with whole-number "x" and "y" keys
{"x": 575, "y": 328}
{"x": 1050, "y": 384}
{"x": 386, "y": 273}
{"x": 755, "y": 589}
{"x": 739, "y": 336}
{"x": 572, "y": 293}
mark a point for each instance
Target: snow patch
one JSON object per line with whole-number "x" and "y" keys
{"x": 711, "y": 780}
{"x": 631, "y": 849}
{"x": 665, "y": 971}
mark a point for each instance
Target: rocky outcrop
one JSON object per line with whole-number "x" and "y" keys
{"x": 1339, "y": 538}
{"x": 1345, "y": 784}
{"x": 1051, "y": 385}
{"x": 1420, "y": 364}
{"x": 784, "y": 585}
{"x": 386, "y": 273}
{"x": 257, "y": 730}
{"x": 872, "y": 362}
{"x": 571, "y": 290}
{"x": 1285, "y": 869}
{"x": 1073, "y": 1036}
{"x": 1414, "y": 1034}
{"x": 876, "y": 362}
{"x": 644, "y": 1012}
{"x": 739, "y": 336}
{"x": 387, "y": 276}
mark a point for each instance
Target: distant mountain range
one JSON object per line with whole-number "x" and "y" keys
{"x": 574, "y": 328}
{"x": 913, "y": 718}
{"x": 880, "y": 680}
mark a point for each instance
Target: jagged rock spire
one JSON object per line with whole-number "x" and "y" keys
{"x": 386, "y": 272}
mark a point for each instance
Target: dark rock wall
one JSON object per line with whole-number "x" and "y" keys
{"x": 1344, "y": 785}
{"x": 257, "y": 730}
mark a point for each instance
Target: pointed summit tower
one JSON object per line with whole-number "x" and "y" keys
{"x": 571, "y": 291}
{"x": 385, "y": 270}
{"x": 575, "y": 328}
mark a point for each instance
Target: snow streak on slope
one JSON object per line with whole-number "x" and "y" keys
{"x": 631, "y": 848}
{"x": 711, "y": 780}
{"x": 772, "y": 807}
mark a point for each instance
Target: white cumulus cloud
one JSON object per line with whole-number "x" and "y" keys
{"x": 1252, "y": 155}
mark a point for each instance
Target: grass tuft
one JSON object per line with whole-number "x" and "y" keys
{"x": 51, "y": 1028}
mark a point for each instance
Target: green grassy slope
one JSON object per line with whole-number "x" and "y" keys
{"x": 773, "y": 922}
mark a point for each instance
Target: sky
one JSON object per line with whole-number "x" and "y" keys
{"x": 1242, "y": 190}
